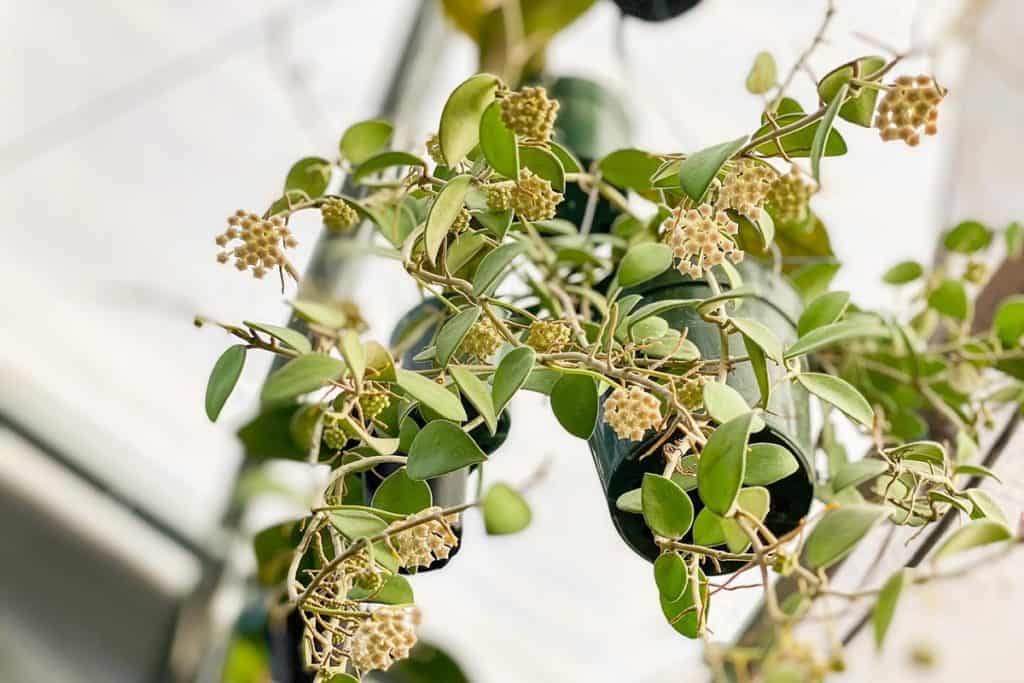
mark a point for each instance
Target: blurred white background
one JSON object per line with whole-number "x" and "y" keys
{"x": 131, "y": 129}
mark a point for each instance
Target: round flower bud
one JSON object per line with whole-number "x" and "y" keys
{"x": 745, "y": 187}
{"x": 788, "y": 200}
{"x": 701, "y": 238}
{"x": 631, "y": 412}
{"x": 338, "y": 215}
{"x": 533, "y": 198}
{"x": 482, "y": 340}
{"x": 423, "y": 544}
{"x": 690, "y": 391}
{"x": 386, "y": 636}
{"x": 529, "y": 113}
{"x": 909, "y": 105}
{"x": 373, "y": 403}
{"x": 499, "y": 195}
{"x": 548, "y": 336}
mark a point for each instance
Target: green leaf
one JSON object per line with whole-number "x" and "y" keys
{"x": 380, "y": 362}
{"x": 354, "y": 353}
{"x": 574, "y": 402}
{"x": 886, "y": 605}
{"x": 443, "y": 212}
{"x": 667, "y": 509}
{"x": 568, "y": 160}
{"x": 309, "y": 176}
{"x": 644, "y": 262}
{"x": 861, "y": 108}
{"x": 857, "y": 472}
{"x": 432, "y": 395}
{"x": 903, "y": 272}
{"x": 442, "y": 447}
{"x": 799, "y": 143}
{"x": 921, "y": 451}
{"x": 1014, "y": 240}
{"x": 301, "y": 375}
{"x": 985, "y": 507}
{"x": 1008, "y": 323}
{"x": 763, "y": 74}
{"x": 401, "y": 494}
{"x": 498, "y": 143}
{"x": 827, "y": 335}
{"x": 478, "y": 394}
{"x": 287, "y": 336}
{"x": 975, "y": 534}
{"x": 760, "y": 334}
{"x": 453, "y": 332}
{"x": 629, "y": 168}
{"x": 838, "y": 532}
{"x": 459, "y": 131}
{"x": 356, "y": 523}
{"x": 488, "y": 273}
{"x": 722, "y": 464}
{"x": 755, "y": 501}
{"x": 682, "y": 613}
{"x": 968, "y": 237}
{"x": 759, "y": 365}
{"x": 824, "y": 310}
{"x": 544, "y": 164}
{"x": 505, "y": 510}
{"x": 384, "y": 161}
{"x": 724, "y": 403}
{"x": 950, "y": 299}
{"x": 630, "y": 501}
{"x": 976, "y": 471}
{"x": 699, "y": 169}
{"x": 839, "y": 393}
{"x": 670, "y": 576}
{"x": 510, "y": 376}
{"x": 707, "y": 529}
{"x": 823, "y": 130}
{"x": 320, "y": 314}
{"x": 814, "y": 278}
{"x": 768, "y": 463}
{"x": 223, "y": 379}
{"x": 362, "y": 140}
{"x": 395, "y": 591}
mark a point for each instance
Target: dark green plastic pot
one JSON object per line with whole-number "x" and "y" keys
{"x": 448, "y": 490}
{"x": 787, "y": 420}
{"x": 592, "y": 123}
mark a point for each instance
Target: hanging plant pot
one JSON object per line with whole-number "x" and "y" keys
{"x": 421, "y": 324}
{"x": 591, "y": 122}
{"x": 787, "y": 419}
{"x": 655, "y": 10}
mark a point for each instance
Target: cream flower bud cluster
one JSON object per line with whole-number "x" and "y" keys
{"x": 461, "y": 221}
{"x": 529, "y": 113}
{"x": 499, "y": 195}
{"x": 385, "y": 637}
{"x": 789, "y": 199}
{"x": 745, "y": 187}
{"x": 372, "y": 403}
{"x": 337, "y": 431}
{"x": 261, "y": 242}
{"x": 482, "y": 340}
{"x": 701, "y": 238}
{"x": 421, "y": 545}
{"x": 690, "y": 391}
{"x": 533, "y": 198}
{"x": 910, "y": 104}
{"x": 548, "y": 336}
{"x": 338, "y": 215}
{"x": 631, "y": 412}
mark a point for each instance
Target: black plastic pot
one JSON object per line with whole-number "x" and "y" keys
{"x": 450, "y": 489}
{"x": 591, "y": 122}
{"x": 787, "y": 419}
{"x": 655, "y": 10}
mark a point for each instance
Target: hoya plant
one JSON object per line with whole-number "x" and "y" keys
{"x": 689, "y": 341}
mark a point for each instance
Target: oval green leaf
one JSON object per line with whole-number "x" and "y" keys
{"x": 768, "y": 463}
{"x": 459, "y": 130}
{"x": 309, "y": 176}
{"x": 286, "y": 335}
{"x": 978, "y": 533}
{"x": 903, "y": 272}
{"x": 432, "y": 395}
{"x": 384, "y": 161}
{"x": 498, "y": 143}
{"x": 511, "y": 374}
{"x": 630, "y": 168}
{"x": 544, "y": 164}
{"x": 698, "y": 170}
{"x": 478, "y": 394}
{"x": 223, "y": 379}
{"x": 840, "y": 393}
{"x": 574, "y": 402}
{"x": 488, "y": 273}
{"x": 667, "y": 509}
{"x": 722, "y": 464}
{"x": 401, "y": 494}
{"x": 443, "y": 212}
{"x": 442, "y": 447}
{"x": 762, "y": 335}
{"x": 670, "y": 576}
{"x": 881, "y": 618}
{"x": 505, "y": 511}
{"x": 301, "y": 375}
{"x": 838, "y": 532}
{"x": 362, "y": 140}
{"x": 968, "y": 237}
{"x": 453, "y": 332}
{"x": 644, "y": 262}
{"x": 950, "y": 299}
{"x": 836, "y": 332}
{"x": 824, "y": 310}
